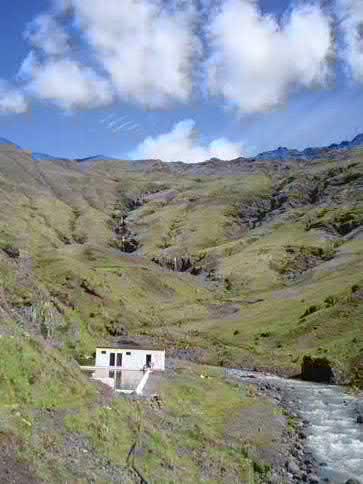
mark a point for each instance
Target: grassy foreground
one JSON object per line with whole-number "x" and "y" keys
{"x": 57, "y": 427}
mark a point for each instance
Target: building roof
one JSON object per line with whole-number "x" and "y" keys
{"x": 128, "y": 346}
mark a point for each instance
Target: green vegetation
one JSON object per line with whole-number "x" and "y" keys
{"x": 293, "y": 266}
{"x": 46, "y": 400}
{"x": 23, "y": 381}
{"x": 271, "y": 279}
{"x": 341, "y": 220}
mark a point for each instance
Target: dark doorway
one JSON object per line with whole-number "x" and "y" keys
{"x": 112, "y": 359}
{"x": 119, "y": 359}
{"x": 148, "y": 361}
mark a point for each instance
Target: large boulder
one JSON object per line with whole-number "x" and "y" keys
{"x": 359, "y": 411}
{"x": 317, "y": 369}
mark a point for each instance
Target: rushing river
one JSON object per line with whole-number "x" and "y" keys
{"x": 333, "y": 434}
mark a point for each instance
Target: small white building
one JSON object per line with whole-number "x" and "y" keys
{"x": 127, "y": 357}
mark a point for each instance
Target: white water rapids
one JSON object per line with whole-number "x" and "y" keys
{"x": 333, "y": 434}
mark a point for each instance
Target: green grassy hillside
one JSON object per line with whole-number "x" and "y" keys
{"x": 255, "y": 269}
{"x": 55, "y": 426}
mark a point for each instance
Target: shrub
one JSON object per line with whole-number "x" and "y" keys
{"x": 330, "y": 301}
{"x": 228, "y": 251}
{"x": 165, "y": 242}
{"x": 227, "y": 284}
{"x": 310, "y": 310}
{"x": 265, "y": 334}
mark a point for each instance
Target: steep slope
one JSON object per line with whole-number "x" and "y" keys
{"x": 282, "y": 255}
{"x": 257, "y": 269}
{"x": 58, "y": 427}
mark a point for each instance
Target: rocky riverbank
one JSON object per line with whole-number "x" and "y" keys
{"x": 297, "y": 462}
{"x": 323, "y": 442}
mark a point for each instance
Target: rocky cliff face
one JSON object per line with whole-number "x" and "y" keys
{"x": 309, "y": 154}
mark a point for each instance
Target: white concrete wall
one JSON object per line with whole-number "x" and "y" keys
{"x": 136, "y": 360}
{"x": 103, "y": 376}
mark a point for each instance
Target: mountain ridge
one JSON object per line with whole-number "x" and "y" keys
{"x": 310, "y": 153}
{"x": 280, "y": 154}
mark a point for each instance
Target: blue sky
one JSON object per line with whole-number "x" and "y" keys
{"x": 317, "y": 111}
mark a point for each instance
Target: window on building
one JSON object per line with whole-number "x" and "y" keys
{"x": 103, "y": 352}
{"x": 128, "y": 353}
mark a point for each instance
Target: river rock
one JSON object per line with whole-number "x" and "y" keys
{"x": 359, "y": 410}
{"x": 308, "y": 461}
{"x": 313, "y": 479}
{"x": 275, "y": 479}
{"x": 352, "y": 481}
{"x": 297, "y": 453}
{"x": 293, "y": 468}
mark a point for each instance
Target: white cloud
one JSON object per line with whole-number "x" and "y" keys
{"x": 350, "y": 14}
{"x": 66, "y": 83}
{"x": 182, "y": 143}
{"x": 12, "y": 100}
{"x": 45, "y": 33}
{"x": 149, "y": 52}
{"x": 255, "y": 61}
{"x": 57, "y": 77}
{"x": 147, "y": 48}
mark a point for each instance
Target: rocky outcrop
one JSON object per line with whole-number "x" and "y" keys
{"x": 12, "y": 252}
{"x": 317, "y": 370}
{"x": 179, "y": 264}
{"x": 295, "y": 260}
{"x": 321, "y": 370}
{"x": 124, "y": 239}
{"x": 338, "y": 222}
{"x": 309, "y": 154}
{"x": 253, "y": 213}
{"x": 291, "y": 193}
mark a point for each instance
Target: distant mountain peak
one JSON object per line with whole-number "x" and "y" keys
{"x": 46, "y": 157}
{"x": 5, "y": 141}
{"x": 280, "y": 154}
{"x": 358, "y": 140}
{"x": 96, "y": 158}
{"x": 311, "y": 153}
